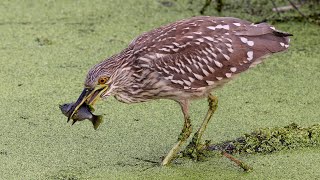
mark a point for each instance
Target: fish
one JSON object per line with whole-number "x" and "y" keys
{"x": 84, "y": 112}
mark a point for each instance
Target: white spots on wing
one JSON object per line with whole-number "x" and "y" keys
{"x": 228, "y": 75}
{"x": 230, "y": 50}
{"x": 233, "y": 69}
{"x": 176, "y": 69}
{"x": 282, "y": 44}
{"x": 198, "y": 76}
{"x": 208, "y": 38}
{"x": 210, "y": 69}
{"x": 183, "y": 65}
{"x": 229, "y": 45}
{"x": 197, "y": 32}
{"x": 189, "y": 37}
{"x": 208, "y": 50}
{"x": 200, "y": 40}
{"x": 205, "y": 52}
{"x": 211, "y": 27}
{"x": 223, "y": 27}
{"x": 189, "y": 70}
{"x": 191, "y": 79}
{"x": 243, "y": 39}
{"x": 187, "y": 59}
{"x": 237, "y": 24}
{"x": 250, "y": 55}
{"x": 165, "y": 71}
{"x": 144, "y": 59}
{"x": 286, "y": 45}
{"x": 250, "y": 43}
{"x": 197, "y": 43}
{"x": 200, "y": 65}
{"x": 273, "y": 28}
{"x": 227, "y": 34}
{"x": 177, "y": 82}
{"x": 219, "y": 78}
{"x": 210, "y": 82}
{"x": 226, "y": 56}
{"x": 246, "y": 41}
{"x": 205, "y": 60}
{"x": 214, "y": 55}
{"x": 187, "y": 82}
{"x": 217, "y": 63}
{"x": 158, "y": 55}
{"x": 226, "y": 27}
{"x": 228, "y": 39}
{"x": 176, "y": 44}
{"x": 195, "y": 65}
{"x": 165, "y": 49}
{"x": 168, "y": 77}
{"x": 209, "y": 58}
{"x": 145, "y": 65}
{"x": 206, "y": 73}
{"x": 175, "y": 49}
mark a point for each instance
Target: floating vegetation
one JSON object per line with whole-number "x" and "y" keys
{"x": 268, "y": 140}
{"x": 43, "y": 41}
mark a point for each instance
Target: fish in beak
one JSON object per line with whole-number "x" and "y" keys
{"x": 88, "y": 96}
{"x": 84, "y": 112}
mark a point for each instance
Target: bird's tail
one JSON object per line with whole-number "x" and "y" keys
{"x": 96, "y": 121}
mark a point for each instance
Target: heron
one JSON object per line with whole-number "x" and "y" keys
{"x": 182, "y": 61}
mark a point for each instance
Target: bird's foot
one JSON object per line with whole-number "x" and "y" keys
{"x": 195, "y": 150}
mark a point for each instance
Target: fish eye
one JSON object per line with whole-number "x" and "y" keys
{"x": 103, "y": 80}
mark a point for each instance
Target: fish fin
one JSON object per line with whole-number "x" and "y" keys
{"x": 96, "y": 121}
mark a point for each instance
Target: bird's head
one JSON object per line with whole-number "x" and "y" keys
{"x": 97, "y": 84}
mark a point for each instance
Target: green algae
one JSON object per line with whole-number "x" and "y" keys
{"x": 269, "y": 140}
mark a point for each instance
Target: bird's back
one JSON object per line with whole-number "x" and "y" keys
{"x": 190, "y": 57}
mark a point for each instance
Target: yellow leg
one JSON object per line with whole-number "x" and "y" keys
{"x": 184, "y": 135}
{"x": 195, "y": 146}
{"x": 186, "y": 131}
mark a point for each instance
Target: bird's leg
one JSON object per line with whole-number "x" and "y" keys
{"x": 195, "y": 148}
{"x": 184, "y": 135}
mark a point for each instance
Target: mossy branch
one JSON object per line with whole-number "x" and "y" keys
{"x": 268, "y": 140}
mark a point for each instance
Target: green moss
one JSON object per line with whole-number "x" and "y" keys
{"x": 268, "y": 140}
{"x": 43, "y": 41}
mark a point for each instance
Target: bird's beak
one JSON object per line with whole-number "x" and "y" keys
{"x": 88, "y": 96}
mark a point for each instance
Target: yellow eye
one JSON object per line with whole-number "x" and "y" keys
{"x": 103, "y": 80}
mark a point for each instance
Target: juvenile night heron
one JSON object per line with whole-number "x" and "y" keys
{"x": 182, "y": 61}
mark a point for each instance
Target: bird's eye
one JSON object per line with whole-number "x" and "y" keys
{"x": 103, "y": 80}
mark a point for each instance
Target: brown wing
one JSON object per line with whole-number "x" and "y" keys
{"x": 202, "y": 51}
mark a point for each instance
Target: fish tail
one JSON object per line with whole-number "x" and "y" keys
{"x": 96, "y": 121}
